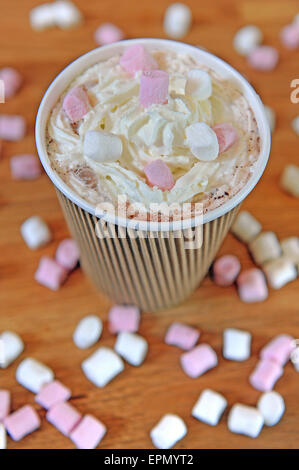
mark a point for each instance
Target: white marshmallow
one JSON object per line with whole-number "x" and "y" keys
{"x": 265, "y": 247}
{"x": 290, "y": 248}
{"x": 169, "y": 430}
{"x": 246, "y": 227}
{"x": 35, "y": 232}
{"x": 67, "y": 14}
{"x": 270, "y": 114}
{"x": 177, "y": 20}
{"x": 247, "y": 38}
{"x": 42, "y": 16}
{"x": 290, "y": 180}
{"x": 271, "y": 405}
{"x": 245, "y": 420}
{"x": 11, "y": 346}
{"x": 102, "y": 146}
{"x": 295, "y": 358}
{"x": 199, "y": 84}
{"x": 102, "y": 366}
{"x": 209, "y": 407}
{"x": 132, "y": 347}
{"x": 33, "y": 374}
{"x": 279, "y": 272}
{"x": 202, "y": 141}
{"x": 295, "y": 124}
{"x": 2, "y": 437}
{"x": 88, "y": 331}
{"x": 236, "y": 344}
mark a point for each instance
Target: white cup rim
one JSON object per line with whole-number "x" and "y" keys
{"x": 63, "y": 79}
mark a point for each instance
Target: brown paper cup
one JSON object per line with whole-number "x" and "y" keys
{"x": 131, "y": 262}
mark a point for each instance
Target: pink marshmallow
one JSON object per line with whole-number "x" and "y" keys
{"x": 4, "y": 404}
{"x": 226, "y": 135}
{"x": 137, "y": 58}
{"x": 263, "y": 58}
{"x": 199, "y": 360}
{"x": 181, "y": 335}
{"x": 279, "y": 349}
{"x": 108, "y": 33}
{"x": 265, "y": 375}
{"x": 64, "y": 417}
{"x": 252, "y": 286}
{"x": 25, "y": 167}
{"x": 154, "y": 86}
{"x": 290, "y": 36}
{"x": 12, "y": 81}
{"x": 52, "y": 393}
{"x": 67, "y": 254}
{"x": 50, "y": 274}
{"x": 88, "y": 434}
{"x": 12, "y": 127}
{"x": 22, "y": 422}
{"x": 76, "y": 104}
{"x": 158, "y": 174}
{"x": 226, "y": 270}
{"x": 124, "y": 318}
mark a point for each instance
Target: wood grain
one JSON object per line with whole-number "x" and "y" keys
{"x": 134, "y": 402}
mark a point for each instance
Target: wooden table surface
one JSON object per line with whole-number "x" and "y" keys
{"x": 135, "y": 401}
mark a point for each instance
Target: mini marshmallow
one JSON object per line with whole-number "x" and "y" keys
{"x": 154, "y": 86}
{"x": 209, "y": 407}
{"x": 25, "y": 167}
{"x": 279, "y": 349}
{"x": 271, "y": 406}
{"x": 159, "y": 175}
{"x": 102, "y": 146}
{"x": 32, "y": 374}
{"x": 50, "y": 274}
{"x": 137, "y": 58}
{"x": 4, "y": 404}
{"x": 12, "y": 81}
{"x": 246, "y": 227}
{"x": 76, "y": 104}
{"x": 177, "y": 20}
{"x": 263, "y": 58}
{"x": 236, "y": 344}
{"x": 2, "y": 437}
{"x": 66, "y": 14}
{"x": 108, "y": 33}
{"x": 123, "y": 318}
{"x": 198, "y": 84}
{"x": 290, "y": 36}
{"x": 102, "y": 366}
{"x": 226, "y": 135}
{"x": 35, "y": 232}
{"x": 89, "y": 433}
{"x": 132, "y": 347}
{"x": 225, "y": 270}
{"x": 199, "y": 360}
{"x": 22, "y": 422}
{"x": 42, "y": 16}
{"x": 245, "y": 420}
{"x": 202, "y": 141}
{"x": 290, "y": 248}
{"x": 265, "y": 375}
{"x": 11, "y": 346}
{"x": 265, "y": 247}
{"x": 88, "y": 331}
{"x": 12, "y": 127}
{"x": 271, "y": 118}
{"x": 295, "y": 358}
{"x": 252, "y": 286}
{"x": 183, "y": 336}
{"x": 67, "y": 254}
{"x": 247, "y": 39}
{"x": 64, "y": 417}
{"x": 290, "y": 180}
{"x": 168, "y": 431}
{"x": 52, "y": 393}
{"x": 279, "y": 272}
{"x": 295, "y": 125}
